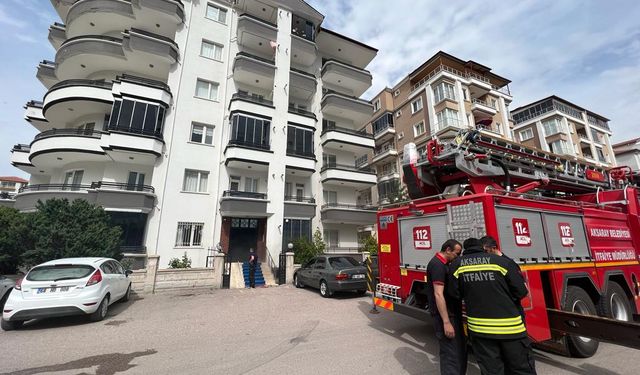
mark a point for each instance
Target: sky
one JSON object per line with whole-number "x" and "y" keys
{"x": 587, "y": 52}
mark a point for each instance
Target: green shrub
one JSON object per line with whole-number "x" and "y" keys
{"x": 304, "y": 249}
{"x": 184, "y": 262}
{"x": 370, "y": 244}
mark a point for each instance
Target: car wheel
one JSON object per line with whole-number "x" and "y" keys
{"x": 101, "y": 312}
{"x": 297, "y": 282}
{"x": 324, "y": 289}
{"x": 578, "y": 301}
{"x": 10, "y": 325}
{"x": 127, "y": 295}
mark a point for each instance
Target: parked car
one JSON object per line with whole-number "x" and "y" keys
{"x": 62, "y": 287}
{"x": 332, "y": 274}
{"x": 6, "y": 284}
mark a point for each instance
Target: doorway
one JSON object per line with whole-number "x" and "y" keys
{"x": 242, "y": 237}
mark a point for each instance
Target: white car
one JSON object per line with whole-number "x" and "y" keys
{"x": 62, "y": 287}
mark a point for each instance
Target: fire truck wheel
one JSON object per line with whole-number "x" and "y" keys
{"x": 615, "y": 304}
{"x": 578, "y": 301}
{"x": 324, "y": 289}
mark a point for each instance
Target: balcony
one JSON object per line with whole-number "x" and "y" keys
{"x": 341, "y": 213}
{"x": 110, "y": 195}
{"x": 138, "y": 52}
{"x": 242, "y": 203}
{"x": 47, "y": 73}
{"x": 20, "y": 157}
{"x": 303, "y": 84}
{"x": 57, "y": 35}
{"x": 254, "y": 71}
{"x": 33, "y": 115}
{"x": 448, "y": 127}
{"x": 388, "y": 175}
{"x": 347, "y": 175}
{"x": 344, "y": 75}
{"x": 255, "y": 34}
{"x": 250, "y": 98}
{"x": 385, "y": 153}
{"x": 69, "y": 100}
{"x": 298, "y": 206}
{"x": 479, "y": 85}
{"x": 341, "y": 138}
{"x": 106, "y": 16}
{"x": 383, "y": 128}
{"x": 57, "y": 147}
{"x": 345, "y": 106}
{"x": 482, "y": 108}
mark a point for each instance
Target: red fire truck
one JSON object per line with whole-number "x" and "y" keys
{"x": 574, "y": 229}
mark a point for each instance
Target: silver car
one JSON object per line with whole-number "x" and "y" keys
{"x": 6, "y": 284}
{"x": 332, "y": 274}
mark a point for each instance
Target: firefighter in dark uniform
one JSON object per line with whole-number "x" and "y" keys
{"x": 489, "y": 284}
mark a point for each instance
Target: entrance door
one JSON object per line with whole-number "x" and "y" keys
{"x": 243, "y": 236}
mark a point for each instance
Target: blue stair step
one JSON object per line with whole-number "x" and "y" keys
{"x": 259, "y": 278}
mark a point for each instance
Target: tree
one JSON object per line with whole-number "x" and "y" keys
{"x": 398, "y": 193}
{"x": 60, "y": 229}
{"x": 13, "y": 239}
{"x": 370, "y": 244}
{"x": 184, "y": 262}
{"x": 304, "y": 249}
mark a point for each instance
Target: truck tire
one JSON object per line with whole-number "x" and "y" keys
{"x": 614, "y": 303}
{"x": 578, "y": 301}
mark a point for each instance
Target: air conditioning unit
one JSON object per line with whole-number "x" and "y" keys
{"x": 400, "y": 135}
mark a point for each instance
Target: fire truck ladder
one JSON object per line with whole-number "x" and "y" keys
{"x": 478, "y": 155}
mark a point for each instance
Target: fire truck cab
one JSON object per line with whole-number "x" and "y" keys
{"x": 573, "y": 229}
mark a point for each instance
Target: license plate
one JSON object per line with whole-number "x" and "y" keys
{"x": 358, "y": 276}
{"x": 64, "y": 288}
{"x": 53, "y": 289}
{"x": 41, "y": 290}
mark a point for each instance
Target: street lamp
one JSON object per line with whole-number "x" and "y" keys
{"x": 290, "y": 246}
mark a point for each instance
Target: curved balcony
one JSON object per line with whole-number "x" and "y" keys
{"x": 47, "y": 73}
{"x": 341, "y": 138}
{"x": 74, "y": 98}
{"x": 57, "y": 34}
{"x": 254, "y": 71}
{"x": 33, "y": 115}
{"x": 110, "y": 195}
{"x": 105, "y": 16}
{"x": 138, "y": 52}
{"x": 58, "y": 147}
{"x": 243, "y": 203}
{"x": 20, "y": 158}
{"x": 341, "y": 74}
{"x": 347, "y": 213}
{"x": 347, "y": 175}
{"x": 345, "y": 106}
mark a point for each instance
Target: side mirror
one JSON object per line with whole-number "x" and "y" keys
{"x": 127, "y": 273}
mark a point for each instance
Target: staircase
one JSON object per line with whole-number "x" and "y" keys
{"x": 259, "y": 275}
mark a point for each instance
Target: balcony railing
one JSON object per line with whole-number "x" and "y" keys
{"x": 304, "y": 154}
{"x": 94, "y": 185}
{"x": 141, "y": 131}
{"x": 21, "y": 148}
{"x": 82, "y": 82}
{"x": 384, "y": 149}
{"x": 387, "y": 174}
{"x": 250, "y": 144}
{"x": 446, "y": 122}
{"x": 324, "y": 61}
{"x": 247, "y": 15}
{"x": 54, "y": 187}
{"x": 295, "y": 198}
{"x": 144, "y": 81}
{"x": 78, "y": 132}
{"x": 345, "y": 167}
{"x": 122, "y": 186}
{"x": 35, "y": 103}
{"x": 382, "y": 128}
{"x": 87, "y": 37}
{"x": 482, "y": 102}
{"x": 243, "y": 194}
{"x": 252, "y": 56}
{"x": 349, "y": 206}
{"x": 154, "y": 36}
{"x": 360, "y": 133}
{"x": 252, "y": 98}
{"x": 362, "y": 161}
{"x": 468, "y": 74}
{"x": 310, "y": 75}
{"x": 302, "y": 112}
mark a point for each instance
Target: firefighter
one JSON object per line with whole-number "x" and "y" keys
{"x": 446, "y": 311}
{"x": 489, "y": 284}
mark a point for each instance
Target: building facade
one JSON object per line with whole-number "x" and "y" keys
{"x": 440, "y": 97}
{"x": 627, "y": 153}
{"x": 204, "y": 123}
{"x": 559, "y": 126}
{"x": 10, "y": 186}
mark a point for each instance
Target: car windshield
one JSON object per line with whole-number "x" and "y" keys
{"x": 342, "y": 262}
{"x": 59, "y": 272}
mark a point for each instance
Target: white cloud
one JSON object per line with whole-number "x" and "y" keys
{"x": 585, "y": 52}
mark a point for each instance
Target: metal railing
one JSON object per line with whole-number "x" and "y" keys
{"x": 54, "y": 187}
{"x": 48, "y": 63}
{"x": 247, "y": 15}
{"x": 360, "y": 133}
{"x": 122, "y": 186}
{"x": 304, "y": 154}
{"x": 383, "y": 149}
{"x": 152, "y": 35}
{"x": 271, "y": 263}
{"x": 482, "y": 102}
{"x": 295, "y": 198}
{"x": 93, "y": 185}
{"x": 133, "y": 249}
{"x": 448, "y": 121}
{"x": 468, "y": 74}
{"x": 64, "y": 132}
{"x": 144, "y": 81}
{"x": 362, "y": 161}
{"x": 310, "y": 75}
{"x": 349, "y": 206}
{"x": 302, "y": 112}
{"x": 34, "y": 103}
{"x": 387, "y": 174}
{"x": 243, "y": 194}
{"x": 88, "y": 37}
{"x": 326, "y": 92}
{"x": 325, "y": 61}
{"x": 346, "y": 167}
{"x": 141, "y": 131}
{"x": 250, "y": 144}
{"x": 251, "y": 98}
{"x": 21, "y": 148}
{"x": 255, "y": 57}
{"x": 82, "y": 82}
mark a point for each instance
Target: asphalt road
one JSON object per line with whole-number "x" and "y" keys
{"x": 279, "y": 330}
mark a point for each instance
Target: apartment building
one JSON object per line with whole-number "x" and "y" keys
{"x": 556, "y": 125}
{"x": 440, "y": 97}
{"x": 10, "y": 186}
{"x": 627, "y": 153}
{"x": 203, "y": 123}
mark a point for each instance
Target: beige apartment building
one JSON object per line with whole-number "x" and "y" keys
{"x": 440, "y": 97}
{"x": 556, "y": 125}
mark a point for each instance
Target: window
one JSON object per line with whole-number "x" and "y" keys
{"x": 250, "y": 131}
{"x": 526, "y": 134}
{"x": 447, "y": 117}
{"x": 234, "y": 183}
{"x": 465, "y": 94}
{"x": 135, "y": 181}
{"x": 137, "y": 117}
{"x": 88, "y": 128}
{"x": 72, "y": 180}
{"x": 552, "y": 126}
{"x": 195, "y": 181}
{"x": 601, "y": 156}
{"x": 211, "y": 50}
{"x": 330, "y": 197}
{"x": 328, "y": 160}
{"x": 294, "y": 229}
{"x": 382, "y": 123}
{"x": 201, "y": 133}
{"x": 416, "y": 105}
{"x": 207, "y": 90}
{"x": 597, "y": 137}
{"x": 331, "y": 237}
{"x": 299, "y": 192}
{"x": 560, "y": 147}
{"x": 189, "y": 234}
{"x": 251, "y": 184}
{"x": 419, "y": 129}
{"x": 376, "y": 105}
{"x": 300, "y": 141}
{"x": 442, "y": 91}
{"x": 216, "y": 13}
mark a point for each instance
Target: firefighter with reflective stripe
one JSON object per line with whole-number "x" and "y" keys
{"x": 489, "y": 284}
